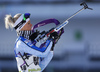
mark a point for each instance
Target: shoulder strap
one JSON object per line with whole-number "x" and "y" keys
{"x": 45, "y": 22}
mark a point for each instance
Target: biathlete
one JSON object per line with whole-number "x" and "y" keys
{"x": 32, "y": 56}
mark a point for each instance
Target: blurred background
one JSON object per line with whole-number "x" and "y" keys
{"x": 78, "y": 50}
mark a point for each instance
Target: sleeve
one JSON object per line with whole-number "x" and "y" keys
{"x": 43, "y": 63}
{"x": 40, "y": 52}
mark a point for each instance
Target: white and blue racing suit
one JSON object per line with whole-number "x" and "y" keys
{"x": 31, "y": 58}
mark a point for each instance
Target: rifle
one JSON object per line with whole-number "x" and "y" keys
{"x": 60, "y": 26}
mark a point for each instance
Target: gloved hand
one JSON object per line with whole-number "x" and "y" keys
{"x": 54, "y": 35}
{"x": 34, "y": 35}
{"x": 60, "y": 32}
{"x": 57, "y": 37}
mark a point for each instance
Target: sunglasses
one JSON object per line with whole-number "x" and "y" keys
{"x": 26, "y": 15}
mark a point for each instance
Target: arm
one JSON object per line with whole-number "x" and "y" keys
{"x": 40, "y": 52}
{"x": 43, "y": 63}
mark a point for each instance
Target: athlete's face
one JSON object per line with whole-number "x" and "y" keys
{"x": 27, "y": 26}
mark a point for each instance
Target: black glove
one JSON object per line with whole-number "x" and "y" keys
{"x": 57, "y": 37}
{"x": 34, "y": 35}
{"x": 54, "y": 35}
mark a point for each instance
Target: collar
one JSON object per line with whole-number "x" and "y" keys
{"x": 25, "y": 34}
